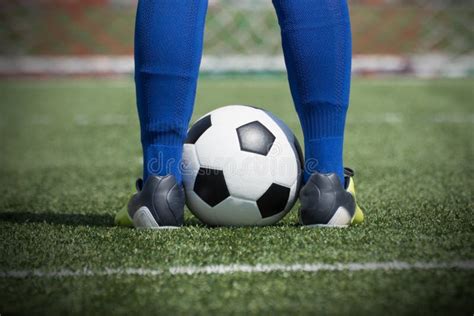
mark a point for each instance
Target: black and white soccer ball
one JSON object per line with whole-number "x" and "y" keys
{"x": 242, "y": 166}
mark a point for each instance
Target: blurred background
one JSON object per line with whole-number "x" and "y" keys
{"x": 426, "y": 38}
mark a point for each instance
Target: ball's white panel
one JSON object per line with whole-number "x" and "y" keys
{"x": 217, "y": 146}
{"x": 248, "y": 175}
{"x": 237, "y": 212}
{"x": 289, "y": 135}
{"x": 199, "y": 208}
{"x": 233, "y": 116}
{"x": 220, "y": 142}
{"x": 284, "y": 163}
{"x": 288, "y": 132}
{"x": 190, "y": 166}
{"x": 294, "y": 191}
{"x": 282, "y": 155}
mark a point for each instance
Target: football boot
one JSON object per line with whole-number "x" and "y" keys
{"x": 327, "y": 202}
{"x": 158, "y": 204}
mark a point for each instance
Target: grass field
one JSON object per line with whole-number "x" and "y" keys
{"x": 70, "y": 155}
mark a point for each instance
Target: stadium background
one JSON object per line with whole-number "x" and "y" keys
{"x": 421, "y": 37}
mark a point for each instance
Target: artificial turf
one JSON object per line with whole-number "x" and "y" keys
{"x": 70, "y": 153}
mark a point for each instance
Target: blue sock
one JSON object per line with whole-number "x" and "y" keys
{"x": 317, "y": 45}
{"x": 168, "y": 49}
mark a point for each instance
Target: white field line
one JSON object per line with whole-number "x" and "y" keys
{"x": 242, "y": 268}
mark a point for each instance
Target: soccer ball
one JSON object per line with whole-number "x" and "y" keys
{"x": 242, "y": 166}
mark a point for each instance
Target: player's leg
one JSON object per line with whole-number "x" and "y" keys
{"x": 316, "y": 38}
{"x": 168, "y": 49}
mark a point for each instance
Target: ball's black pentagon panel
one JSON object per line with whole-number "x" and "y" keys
{"x": 210, "y": 186}
{"x": 273, "y": 201}
{"x": 198, "y": 129}
{"x": 255, "y": 138}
